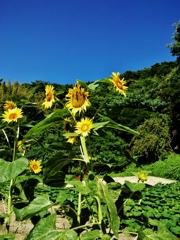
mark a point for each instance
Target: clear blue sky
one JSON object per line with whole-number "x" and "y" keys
{"x": 59, "y": 41}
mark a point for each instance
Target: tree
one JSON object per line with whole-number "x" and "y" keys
{"x": 154, "y": 142}
{"x": 175, "y": 46}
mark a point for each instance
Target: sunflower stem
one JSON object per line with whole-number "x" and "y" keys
{"x": 9, "y": 204}
{"x": 86, "y": 156}
{"x": 79, "y": 208}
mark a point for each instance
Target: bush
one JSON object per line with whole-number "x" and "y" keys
{"x": 154, "y": 143}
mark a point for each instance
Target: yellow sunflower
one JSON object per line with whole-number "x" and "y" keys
{"x": 142, "y": 176}
{"x": 35, "y": 166}
{"x": 20, "y": 146}
{"x": 9, "y": 105}
{"x": 71, "y": 139}
{"x": 84, "y": 126}
{"x": 12, "y": 115}
{"x": 77, "y": 99}
{"x": 119, "y": 83}
{"x": 49, "y": 100}
{"x": 68, "y": 127}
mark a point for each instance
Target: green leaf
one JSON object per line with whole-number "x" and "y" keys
{"x": 162, "y": 234}
{"x": 83, "y": 84}
{"x": 10, "y": 170}
{"x": 49, "y": 121}
{"x": 93, "y": 85}
{"x": 52, "y": 172}
{"x": 94, "y": 234}
{"x": 37, "y": 205}
{"x": 80, "y": 187}
{"x": 134, "y": 187}
{"x": 113, "y": 124}
{"x": 73, "y": 134}
{"x": 55, "y": 180}
{"x": 58, "y": 146}
{"x": 175, "y": 230}
{"x": 9, "y": 236}
{"x": 114, "y": 219}
{"x": 99, "y": 125}
{"x": 61, "y": 197}
{"x": 46, "y": 230}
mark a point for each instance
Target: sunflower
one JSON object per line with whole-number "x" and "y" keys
{"x": 12, "y": 115}
{"x": 119, "y": 83}
{"x": 49, "y": 100}
{"x": 84, "y": 126}
{"x": 68, "y": 127}
{"x": 35, "y": 166}
{"x": 142, "y": 176}
{"x": 71, "y": 139}
{"x": 9, "y": 105}
{"x": 77, "y": 99}
{"x": 20, "y": 146}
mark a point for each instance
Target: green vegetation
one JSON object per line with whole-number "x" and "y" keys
{"x": 43, "y": 150}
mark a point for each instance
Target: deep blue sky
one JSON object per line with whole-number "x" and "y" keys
{"x": 59, "y": 41}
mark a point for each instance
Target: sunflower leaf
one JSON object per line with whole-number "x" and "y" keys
{"x": 113, "y": 124}
{"x": 10, "y": 170}
{"x": 40, "y": 127}
{"x": 37, "y": 205}
{"x": 73, "y": 134}
{"x": 99, "y": 125}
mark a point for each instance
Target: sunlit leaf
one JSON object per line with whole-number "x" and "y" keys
{"x": 10, "y": 170}
{"x": 37, "y": 205}
{"x": 114, "y": 219}
{"x": 134, "y": 187}
{"x": 46, "y": 230}
{"x": 162, "y": 234}
{"x": 79, "y": 186}
{"x": 73, "y": 134}
{"x": 99, "y": 125}
{"x": 94, "y": 234}
{"x": 83, "y": 84}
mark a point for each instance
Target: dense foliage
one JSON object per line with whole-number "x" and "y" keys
{"x": 151, "y": 107}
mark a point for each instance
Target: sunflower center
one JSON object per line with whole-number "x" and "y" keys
{"x": 49, "y": 96}
{"x": 84, "y": 127}
{"x": 35, "y": 166}
{"x": 78, "y": 99}
{"x": 13, "y": 116}
{"x": 119, "y": 85}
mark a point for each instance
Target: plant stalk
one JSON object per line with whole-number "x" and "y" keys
{"x": 9, "y": 205}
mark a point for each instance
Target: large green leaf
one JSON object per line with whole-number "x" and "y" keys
{"x": 56, "y": 163}
{"x": 162, "y": 234}
{"x": 46, "y": 230}
{"x": 53, "y": 176}
{"x": 113, "y": 124}
{"x": 55, "y": 117}
{"x": 94, "y": 234}
{"x": 55, "y": 179}
{"x": 10, "y": 170}
{"x": 114, "y": 219}
{"x": 37, "y": 205}
{"x": 134, "y": 187}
